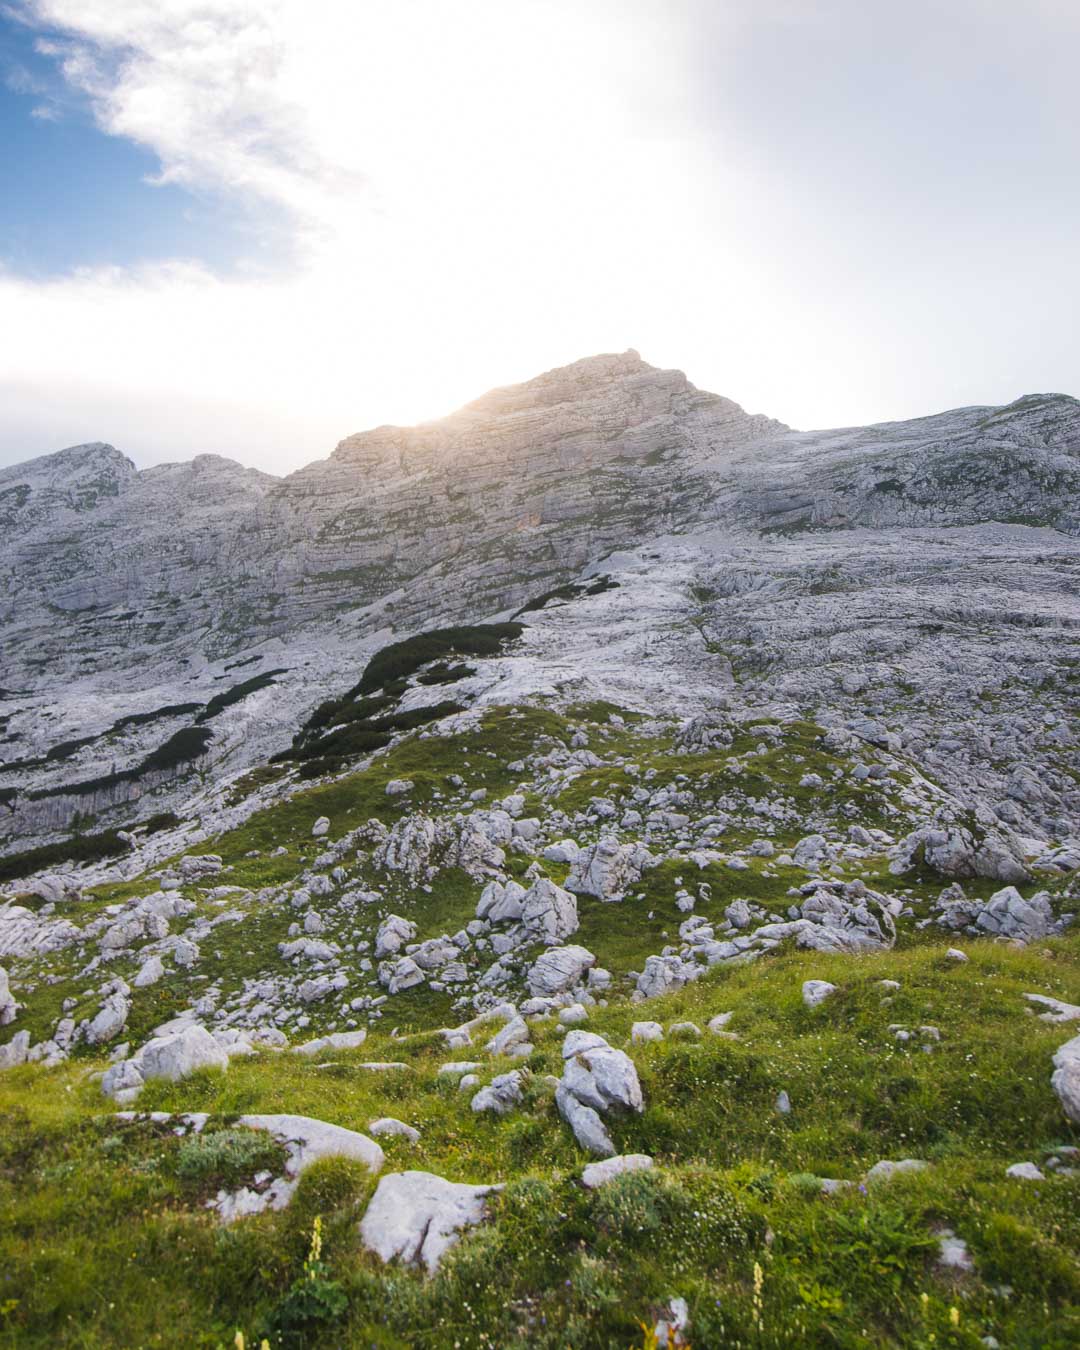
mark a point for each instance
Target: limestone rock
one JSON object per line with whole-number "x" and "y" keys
{"x": 596, "y": 1079}
{"x": 608, "y": 869}
{"x": 597, "y": 1174}
{"x": 817, "y": 991}
{"x": 559, "y": 969}
{"x": 418, "y": 1216}
{"x": 548, "y": 913}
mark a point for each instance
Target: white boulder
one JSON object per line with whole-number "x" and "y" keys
{"x": 417, "y": 1216}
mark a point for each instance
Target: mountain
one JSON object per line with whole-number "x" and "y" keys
{"x": 193, "y": 579}
{"x": 585, "y": 860}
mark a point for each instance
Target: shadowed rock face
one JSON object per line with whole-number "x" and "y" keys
{"x": 832, "y": 552}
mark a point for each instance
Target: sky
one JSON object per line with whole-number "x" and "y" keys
{"x": 253, "y": 227}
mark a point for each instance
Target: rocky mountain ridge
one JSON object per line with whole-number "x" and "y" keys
{"x": 207, "y": 584}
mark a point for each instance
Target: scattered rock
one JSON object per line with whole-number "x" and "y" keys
{"x": 596, "y": 1079}
{"x": 558, "y": 970}
{"x": 387, "y": 1126}
{"x": 597, "y": 1174}
{"x": 1025, "y": 1171}
{"x": 817, "y": 991}
{"x": 887, "y": 1169}
{"x": 1065, "y": 1079}
{"x": 501, "y": 1095}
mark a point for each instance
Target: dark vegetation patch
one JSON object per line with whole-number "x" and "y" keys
{"x": 54, "y": 755}
{"x": 67, "y": 749}
{"x": 79, "y": 848}
{"x": 399, "y": 660}
{"x": 570, "y": 591}
{"x": 361, "y": 735}
{"x": 442, "y": 673}
{"x": 361, "y": 720}
{"x": 157, "y": 714}
{"x": 247, "y": 661}
{"x": 237, "y": 693}
{"x": 188, "y": 744}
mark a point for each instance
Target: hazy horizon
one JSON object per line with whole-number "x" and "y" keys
{"x": 252, "y": 229}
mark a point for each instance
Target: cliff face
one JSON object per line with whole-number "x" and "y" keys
{"x": 517, "y": 486}
{"x": 128, "y": 592}
{"x": 477, "y": 510}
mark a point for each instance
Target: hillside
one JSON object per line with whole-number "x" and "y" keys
{"x": 620, "y": 777}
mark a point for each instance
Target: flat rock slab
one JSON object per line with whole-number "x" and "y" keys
{"x": 1056, "y": 1010}
{"x": 337, "y": 1040}
{"x": 418, "y": 1216}
{"x": 600, "y": 1173}
{"x": 307, "y": 1140}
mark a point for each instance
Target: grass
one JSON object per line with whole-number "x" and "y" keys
{"x": 104, "y": 1240}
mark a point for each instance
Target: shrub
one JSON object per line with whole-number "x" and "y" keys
{"x": 79, "y": 848}
{"x": 227, "y": 1157}
{"x": 188, "y": 744}
{"x": 441, "y": 673}
{"x": 141, "y": 719}
{"x": 401, "y": 659}
{"x": 238, "y": 692}
{"x": 363, "y": 735}
{"x": 313, "y": 1302}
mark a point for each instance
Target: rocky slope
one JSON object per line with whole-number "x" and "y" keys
{"x": 130, "y": 595}
{"x": 720, "y": 839}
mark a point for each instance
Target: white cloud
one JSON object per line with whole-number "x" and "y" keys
{"x": 475, "y": 190}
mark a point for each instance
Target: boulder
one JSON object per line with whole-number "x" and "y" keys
{"x": 196, "y": 866}
{"x": 887, "y": 1169}
{"x": 596, "y": 1079}
{"x": 307, "y": 1140}
{"x": 559, "y": 969}
{"x": 396, "y": 976}
{"x": 816, "y": 991}
{"x": 336, "y": 1040}
{"x": 110, "y": 1018}
{"x": 598, "y": 1174}
{"x": 181, "y": 1054}
{"x": 954, "y": 852}
{"x": 1025, "y": 1171}
{"x": 388, "y": 1126}
{"x": 1008, "y": 914}
{"x": 501, "y": 1095}
{"x": 417, "y": 1216}
{"x": 392, "y": 934}
{"x": 607, "y": 869}
{"x": 1056, "y": 1010}
{"x": 8, "y": 1006}
{"x": 407, "y": 848}
{"x": 15, "y": 1051}
{"x": 664, "y": 973}
{"x": 149, "y": 973}
{"x": 512, "y": 1040}
{"x": 1065, "y": 1079}
{"x": 548, "y": 913}
{"x": 500, "y": 902}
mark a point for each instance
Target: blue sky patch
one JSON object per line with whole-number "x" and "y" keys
{"x": 72, "y": 196}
